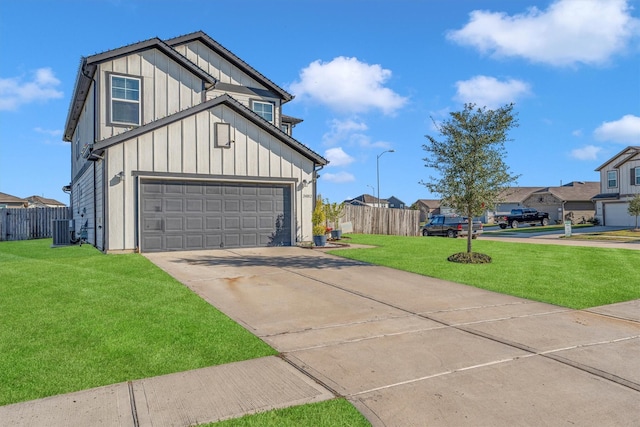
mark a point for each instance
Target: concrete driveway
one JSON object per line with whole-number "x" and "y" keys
{"x": 408, "y": 350}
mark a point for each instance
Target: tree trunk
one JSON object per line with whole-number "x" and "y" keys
{"x": 469, "y": 231}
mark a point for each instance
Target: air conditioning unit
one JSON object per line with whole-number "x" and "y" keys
{"x": 61, "y": 234}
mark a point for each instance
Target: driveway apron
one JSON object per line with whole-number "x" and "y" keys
{"x": 409, "y": 350}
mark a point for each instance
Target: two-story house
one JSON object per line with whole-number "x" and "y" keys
{"x": 179, "y": 144}
{"x": 619, "y": 183}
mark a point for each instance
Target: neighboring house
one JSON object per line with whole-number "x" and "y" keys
{"x": 41, "y": 202}
{"x": 619, "y": 183}
{"x": 572, "y": 201}
{"x": 427, "y": 208}
{"x": 395, "y": 203}
{"x": 9, "y": 201}
{"x": 179, "y": 144}
{"x": 513, "y": 198}
{"x": 368, "y": 200}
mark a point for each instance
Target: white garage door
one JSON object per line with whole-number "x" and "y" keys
{"x": 615, "y": 214}
{"x": 185, "y": 215}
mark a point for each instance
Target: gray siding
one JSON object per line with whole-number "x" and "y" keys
{"x": 83, "y": 204}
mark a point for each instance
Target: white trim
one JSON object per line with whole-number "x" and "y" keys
{"x": 270, "y": 104}
{"x": 138, "y": 102}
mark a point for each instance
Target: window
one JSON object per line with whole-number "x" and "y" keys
{"x": 612, "y": 179}
{"x": 263, "y": 109}
{"x": 635, "y": 176}
{"x": 285, "y": 128}
{"x": 125, "y": 100}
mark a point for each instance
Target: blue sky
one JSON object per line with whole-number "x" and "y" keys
{"x": 369, "y": 76}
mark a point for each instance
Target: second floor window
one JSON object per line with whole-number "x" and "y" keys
{"x": 263, "y": 109}
{"x": 612, "y": 179}
{"x": 125, "y": 100}
{"x": 635, "y": 175}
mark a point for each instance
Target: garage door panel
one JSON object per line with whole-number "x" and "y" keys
{"x": 195, "y": 205}
{"x": 249, "y": 206}
{"x": 231, "y": 223}
{"x": 173, "y": 205}
{"x": 195, "y": 224}
{"x": 194, "y": 241}
{"x": 231, "y": 205}
{"x": 174, "y": 242}
{"x": 179, "y": 215}
{"x": 213, "y": 223}
{"x": 174, "y": 224}
{"x": 213, "y": 205}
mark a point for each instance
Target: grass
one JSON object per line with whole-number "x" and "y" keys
{"x": 537, "y": 228}
{"x": 330, "y": 413}
{"x": 569, "y": 276}
{"x": 72, "y": 318}
{"x": 617, "y": 235}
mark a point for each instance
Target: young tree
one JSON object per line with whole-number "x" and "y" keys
{"x": 634, "y": 208}
{"x": 469, "y": 159}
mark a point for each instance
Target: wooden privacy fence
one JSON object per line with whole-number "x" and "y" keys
{"x": 29, "y": 223}
{"x": 369, "y": 220}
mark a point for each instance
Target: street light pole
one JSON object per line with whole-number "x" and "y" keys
{"x": 378, "y": 170}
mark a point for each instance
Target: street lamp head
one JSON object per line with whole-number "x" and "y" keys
{"x": 392, "y": 151}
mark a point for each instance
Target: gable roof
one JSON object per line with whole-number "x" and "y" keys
{"x": 89, "y": 65}
{"x": 8, "y": 198}
{"x": 516, "y": 194}
{"x": 37, "y": 200}
{"x": 230, "y": 102}
{"x": 631, "y": 151}
{"x": 229, "y": 56}
{"x": 366, "y": 198}
{"x": 430, "y": 203}
{"x": 574, "y": 191}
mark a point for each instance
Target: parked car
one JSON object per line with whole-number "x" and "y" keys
{"x": 450, "y": 226}
{"x": 523, "y": 216}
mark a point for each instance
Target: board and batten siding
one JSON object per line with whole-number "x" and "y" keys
{"x": 188, "y": 147}
{"x": 624, "y": 176}
{"x": 215, "y": 65}
{"x": 83, "y": 203}
{"x": 83, "y": 133}
{"x": 167, "y": 87}
{"x": 225, "y": 72}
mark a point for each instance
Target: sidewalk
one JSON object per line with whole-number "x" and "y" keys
{"x": 180, "y": 399}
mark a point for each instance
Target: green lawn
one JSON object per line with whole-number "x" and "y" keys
{"x": 72, "y": 318}
{"x": 570, "y": 276}
{"x": 330, "y": 413}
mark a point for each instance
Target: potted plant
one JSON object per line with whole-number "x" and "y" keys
{"x": 319, "y": 219}
{"x": 334, "y": 212}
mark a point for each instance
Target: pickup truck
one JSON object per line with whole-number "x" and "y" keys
{"x": 450, "y": 226}
{"x": 523, "y": 216}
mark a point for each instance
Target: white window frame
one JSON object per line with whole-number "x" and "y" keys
{"x": 615, "y": 179}
{"x": 637, "y": 175}
{"x": 286, "y": 128}
{"x": 255, "y": 103}
{"x": 112, "y": 99}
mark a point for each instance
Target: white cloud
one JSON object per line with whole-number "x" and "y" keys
{"x": 348, "y": 86}
{"x": 338, "y": 178}
{"x": 15, "y": 92}
{"x": 577, "y": 133}
{"x": 337, "y": 157}
{"x": 341, "y": 130}
{"x": 589, "y": 152}
{"x": 566, "y": 33}
{"x": 625, "y": 131}
{"x": 490, "y": 92}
